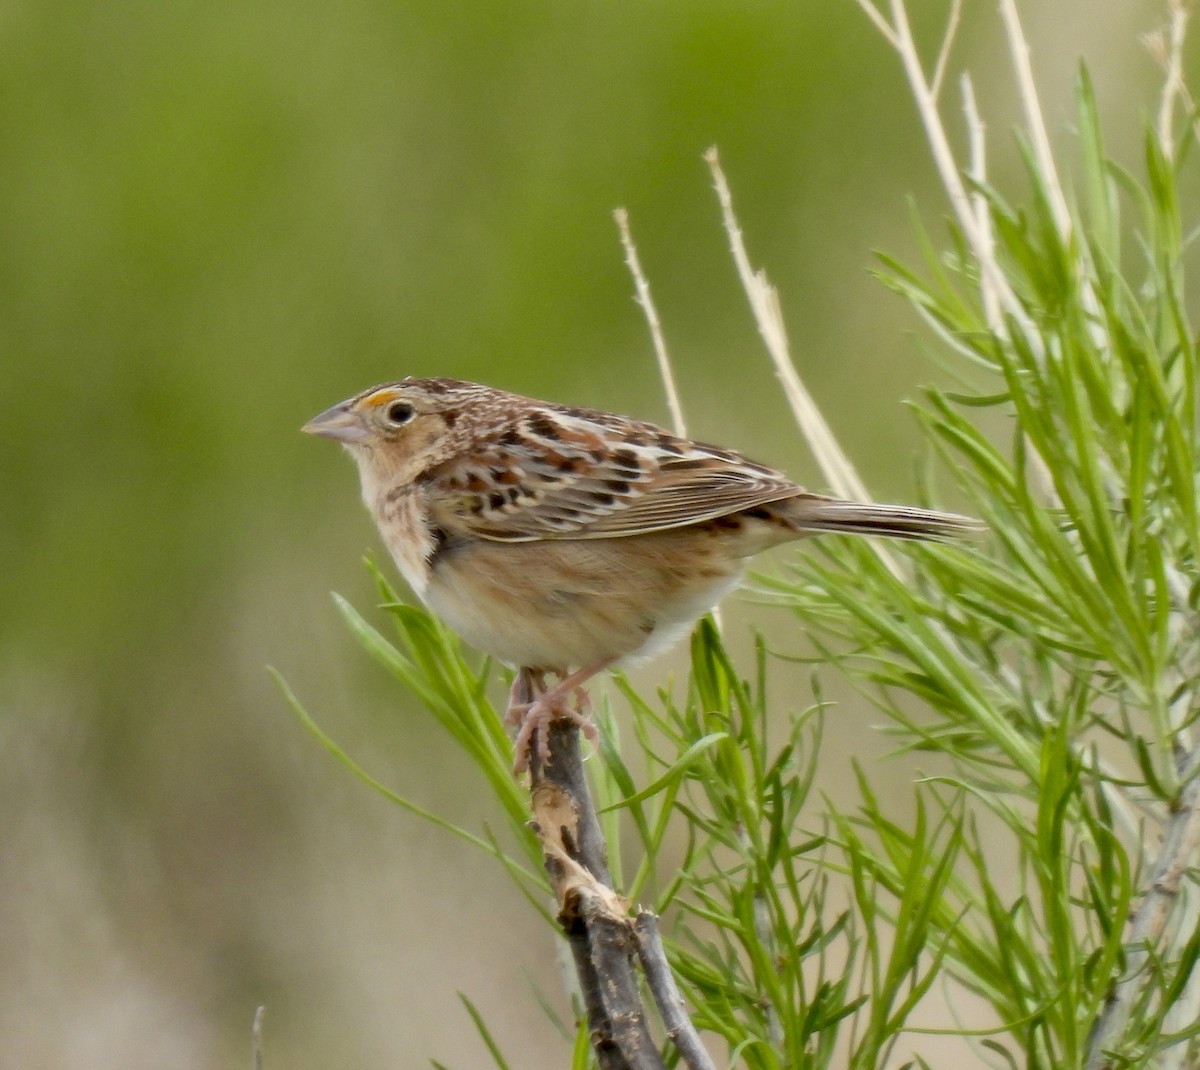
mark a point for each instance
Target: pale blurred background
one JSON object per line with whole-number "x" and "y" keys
{"x": 217, "y": 219}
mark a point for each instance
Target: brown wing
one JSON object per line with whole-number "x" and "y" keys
{"x": 557, "y": 473}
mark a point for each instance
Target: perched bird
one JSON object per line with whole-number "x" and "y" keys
{"x": 564, "y": 540}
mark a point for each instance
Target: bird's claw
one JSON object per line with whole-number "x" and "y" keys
{"x": 537, "y": 716}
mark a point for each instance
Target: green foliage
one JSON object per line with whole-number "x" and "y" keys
{"x": 1056, "y": 666}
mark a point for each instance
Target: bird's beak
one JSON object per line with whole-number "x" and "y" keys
{"x": 339, "y": 424}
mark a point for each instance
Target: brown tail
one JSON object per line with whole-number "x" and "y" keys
{"x": 813, "y": 512}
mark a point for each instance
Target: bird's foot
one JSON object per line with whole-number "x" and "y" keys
{"x": 537, "y": 716}
{"x": 553, "y": 704}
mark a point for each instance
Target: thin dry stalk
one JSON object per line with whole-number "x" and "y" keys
{"x": 1166, "y": 46}
{"x": 835, "y": 466}
{"x": 881, "y": 24}
{"x": 939, "y": 69}
{"x": 643, "y": 298}
{"x": 1186, "y": 1008}
{"x": 1181, "y": 841}
{"x": 977, "y": 169}
{"x": 898, "y": 34}
{"x": 1018, "y": 47}
{"x": 256, "y": 1039}
{"x": 665, "y": 372}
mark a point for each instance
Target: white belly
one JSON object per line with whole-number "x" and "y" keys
{"x": 569, "y": 604}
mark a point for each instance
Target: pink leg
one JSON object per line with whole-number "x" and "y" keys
{"x": 515, "y": 714}
{"x": 552, "y": 705}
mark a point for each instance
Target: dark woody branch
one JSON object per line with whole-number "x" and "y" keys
{"x": 602, "y": 937}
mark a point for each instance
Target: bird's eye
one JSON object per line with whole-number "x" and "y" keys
{"x": 399, "y": 413}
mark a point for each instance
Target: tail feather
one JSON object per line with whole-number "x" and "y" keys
{"x": 815, "y": 513}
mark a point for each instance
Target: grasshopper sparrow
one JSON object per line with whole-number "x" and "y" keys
{"x": 563, "y": 540}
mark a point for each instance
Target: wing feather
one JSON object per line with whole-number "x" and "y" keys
{"x": 559, "y": 473}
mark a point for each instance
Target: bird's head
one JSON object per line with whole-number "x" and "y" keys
{"x": 396, "y": 431}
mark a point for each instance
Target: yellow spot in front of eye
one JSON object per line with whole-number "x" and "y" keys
{"x": 380, "y": 397}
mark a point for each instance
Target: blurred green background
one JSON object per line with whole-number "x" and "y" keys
{"x": 217, "y": 219}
